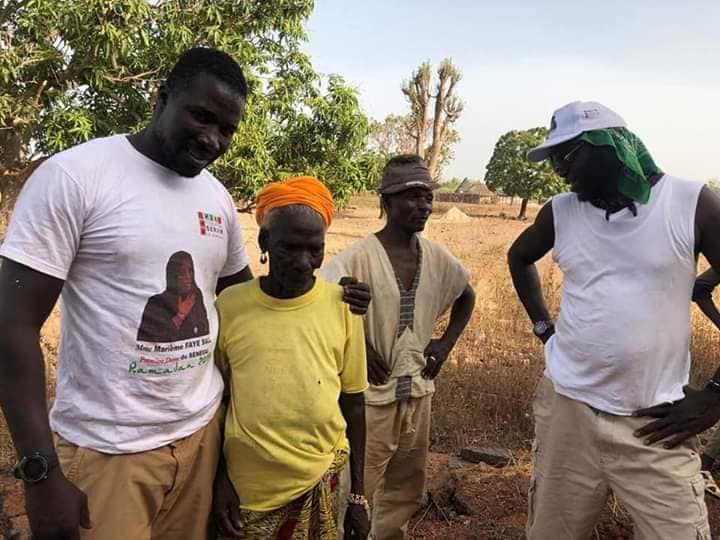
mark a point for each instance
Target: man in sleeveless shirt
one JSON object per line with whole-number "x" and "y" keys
{"x": 612, "y": 412}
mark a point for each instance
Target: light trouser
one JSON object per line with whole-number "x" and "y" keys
{"x": 163, "y": 494}
{"x": 581, "y": 454}
{"x": 396, "y": 463}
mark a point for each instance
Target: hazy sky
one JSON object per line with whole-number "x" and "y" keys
{"x": 655, "y": 62}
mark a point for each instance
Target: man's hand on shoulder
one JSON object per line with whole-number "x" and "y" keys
{"x": 696, "y": 412}
{"x": 356, "y": 294}
{"x": 56, "y": 508}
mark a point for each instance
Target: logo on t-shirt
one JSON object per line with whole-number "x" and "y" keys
{"x": 211, "y": 225}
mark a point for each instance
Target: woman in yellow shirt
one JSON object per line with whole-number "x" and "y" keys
{"x": 294, "y": 358}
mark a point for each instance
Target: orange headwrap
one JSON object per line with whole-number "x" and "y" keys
{"x": 305, "y": 190}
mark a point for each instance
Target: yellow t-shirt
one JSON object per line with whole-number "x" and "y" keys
{"x": 286, "y": 362}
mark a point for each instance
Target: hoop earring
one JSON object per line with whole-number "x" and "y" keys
{"x": 263, "y": 257}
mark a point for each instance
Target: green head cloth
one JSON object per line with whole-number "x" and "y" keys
{"x": 637, "y": 162}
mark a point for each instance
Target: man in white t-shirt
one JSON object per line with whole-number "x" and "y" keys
{"x": 138, "y": 237}
{"x": 626, "y": 239}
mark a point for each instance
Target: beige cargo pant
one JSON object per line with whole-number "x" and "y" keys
{"x": 398, "y": 437}
{"x": 163, "y": 494}
{"x": 581, "y": 454}
{"x": 396, "y": 463}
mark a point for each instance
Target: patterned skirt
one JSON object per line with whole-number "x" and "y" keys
{"x": 312, "y": 516}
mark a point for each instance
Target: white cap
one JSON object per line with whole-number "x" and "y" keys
{"x": 573, "y": 119}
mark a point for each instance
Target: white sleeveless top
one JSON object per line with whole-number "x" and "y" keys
{"x": 622, "y": 338}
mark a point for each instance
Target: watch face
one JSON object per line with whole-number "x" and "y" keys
{"x": 540, "y": 327}
{"x": 32, "y": 469}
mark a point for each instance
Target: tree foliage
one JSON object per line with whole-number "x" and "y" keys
{"x": 510, "y": 171}
{"x": 71, "y": 70}
{"x": 395, "y": 135}
{"x": 433, "y": 113}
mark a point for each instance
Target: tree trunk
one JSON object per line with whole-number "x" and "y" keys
{"x": 447, "y": 110}
{"x": 523, "y": 209}
{"x": 417, "y": 92}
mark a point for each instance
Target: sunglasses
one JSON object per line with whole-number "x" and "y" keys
{"x": 559, "y": 161}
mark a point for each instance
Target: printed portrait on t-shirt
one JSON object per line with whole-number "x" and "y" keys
{"x": 178, "y": 312}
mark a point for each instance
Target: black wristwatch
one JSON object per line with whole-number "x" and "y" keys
{"x": 35, "y": 467}
{"x": 541, "y": 328}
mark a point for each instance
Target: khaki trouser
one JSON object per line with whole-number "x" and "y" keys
{"x": 161, "y": 494}
{"x": 398, "y": 438}
{"x": 581, "y": 454}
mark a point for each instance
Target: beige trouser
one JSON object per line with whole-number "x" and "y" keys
{"x": 581, "y": 454}
{"x": 161, "y": 494}
{"x": 398, "y": 438}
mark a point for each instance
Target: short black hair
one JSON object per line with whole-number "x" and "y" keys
{"x": 206, "y": 60}
{"x": 404, "y": 159}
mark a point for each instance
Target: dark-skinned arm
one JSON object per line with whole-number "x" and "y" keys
{"x": 531, "y": 246}
{"x": 55, "y": 507}
{"x": 699, "y": 409}
{"x": 225, "y": 503}
{"x": 353, "y": 410}
{"x": 702, "y": 295}
{"x": 438, "y": 350}
{"x": 239, "y": 277}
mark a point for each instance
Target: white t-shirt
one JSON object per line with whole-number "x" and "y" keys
{"x": 622, "y": 340}
{"x": 140, "y": 249}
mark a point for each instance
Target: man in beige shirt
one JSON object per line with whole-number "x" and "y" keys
{"x": 413, "y": 282}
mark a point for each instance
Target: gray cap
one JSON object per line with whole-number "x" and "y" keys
{"x": 399, "y": 177}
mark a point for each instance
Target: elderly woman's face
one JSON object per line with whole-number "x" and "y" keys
{"x": 296, "y": 248}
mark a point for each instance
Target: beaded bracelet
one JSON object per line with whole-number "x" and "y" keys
{"x": 354, "y": 498}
